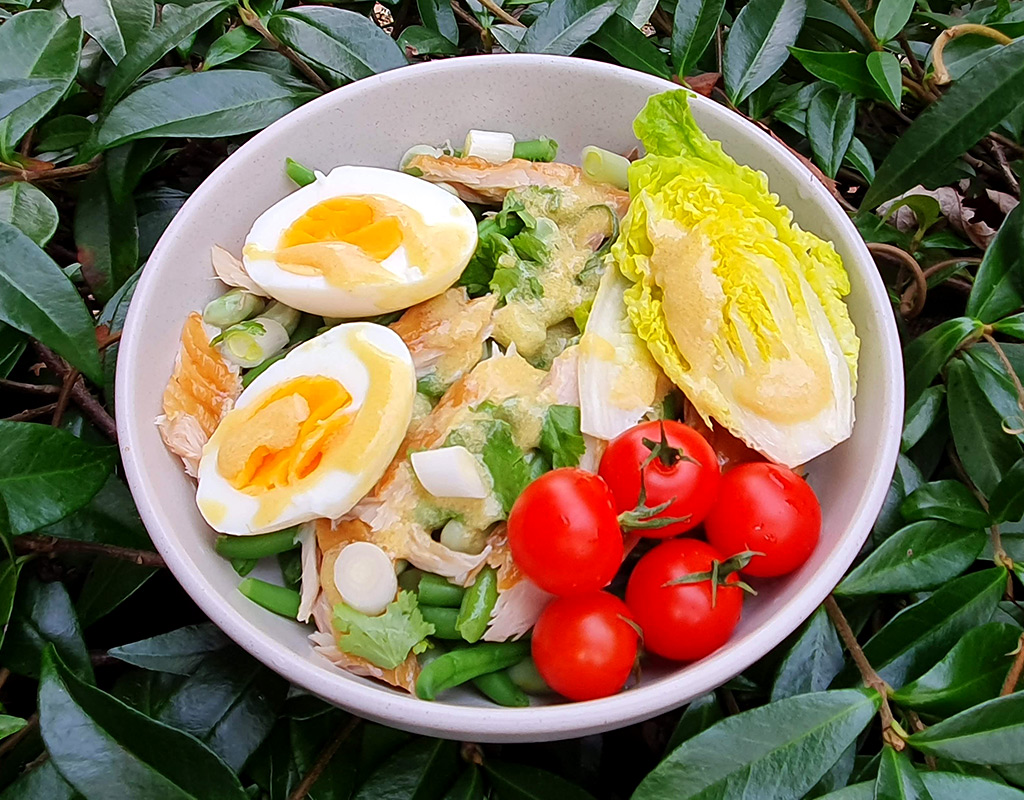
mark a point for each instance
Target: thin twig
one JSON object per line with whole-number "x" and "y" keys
{"x": 32, "y": 413}
{"x": 14, "y": 739}
{"x": 1009, "y": 144}
{"x": 1008, "y": 367}
{"x": 113, "y": 338}
{"x": 1004, "y": 166}
{"x": 861, "y": 25}
{"x": 46, "y": 545}
{"x": 82, "y": 397}
{"x": 942, "y": 75}
{"x": 29, "y": 388}
{"x": 65, "y": 395}
{"x": 661, "y": 21}
{"x": 50, "y": 174}
{"x": 253, "y": 21}
{"x": 466, "y": 17}
{"x": 911, "y": 304}
{"x": 501, "y": 13}
{"x": 1013, "y": 676}
{"x": 915, "y": 65}
{"x": 917, "y": 726}
{"x": 324, "y": 759}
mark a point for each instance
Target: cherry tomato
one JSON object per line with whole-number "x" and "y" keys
{"x": 682, "y": 621}
{"x": 685, "y": 475}
{"x": 767, "y": 509}
{"x": 583, "y": 646}
{"x": 564, "y": 532}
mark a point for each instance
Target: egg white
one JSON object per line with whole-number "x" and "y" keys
{"x": 314, "y": 294}
{"x": 230, "y": 510}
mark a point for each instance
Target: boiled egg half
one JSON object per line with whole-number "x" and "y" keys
{"x": 311, "y": 435}
{"x": 360, "y": 241}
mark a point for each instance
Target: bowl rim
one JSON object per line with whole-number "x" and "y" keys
{"x": 537, "y": 723}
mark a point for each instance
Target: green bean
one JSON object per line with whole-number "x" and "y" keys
{"x": 459, "y": 666}
{"x": 527, "y": 677}
{"x": 409, "y": 580}
{"x": 243, "y": 566}
{"x": 443, "y": 620}
{"x": 477, "y": 605}
{"x": 298, "y": 173}
{"x": 433, "y": 590}
{"x": 231, "y": 308}
{"x": 498, "y": 686}
{"x": 259, "y": 546}
{"x": 274, "y": 598}
{"x": 542, "y": 149}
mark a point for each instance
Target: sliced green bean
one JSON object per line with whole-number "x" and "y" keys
{"x": 458, "y": 666}
{"x": 243, "y": 566}
{"x": 527, "y": 677}
{"x": 498, "y": 686}
{"x": 542, "y": 149}
{"x": 278, "y": 599}
{"x": 302, "y": 175}
{"x": 477, "y": 605}
{"x": 409, "y": 580}
{"x": 443, "y": 620}
{"x": 259, "y": 546}
{"x": 433, "y": 590}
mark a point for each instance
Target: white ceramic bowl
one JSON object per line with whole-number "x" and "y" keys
{"x": 373, "y": 122}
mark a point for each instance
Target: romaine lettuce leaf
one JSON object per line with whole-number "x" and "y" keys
{"x": 385, "y": 640}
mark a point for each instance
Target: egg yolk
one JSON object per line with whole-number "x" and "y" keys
{"x": 352, "y": 220}
{"x": 285, "y": 435}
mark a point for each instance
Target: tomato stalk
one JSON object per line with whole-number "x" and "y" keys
{"x": 719, "y": 574}
{"x": 645, "y": 517}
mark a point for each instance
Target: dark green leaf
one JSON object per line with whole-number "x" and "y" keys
{"x": 787, "y": 745}
{"x": 40, "y": 783}
{"x": 43, "y": 615}
{"x": 921, "y": 556}
{"x": 815, "y": 658}
{"x": 29, "y": 210}
{"x": 1011, "y": 326}
{"x": 179, "y": 651}
{"x": 40, "y": 45}
{"x": 12, "y": 346}
{"x": 112, "y": 316}
{"x": 941, "y": 786}
{"x": 890, "y": 17}
{"x": 838, "y": 774}
{"x": 985, "y": 448}
{"x": 758, "y": 43}
{"x": 230, "y": 46}
{"x": 915, "y": 639}
{"x": 830, "y": 120}
{"x": 1007, "y": 501}
{"x": 101, "y": 746}
{"x": 906, "y": 478}
{"x": 46, "y": 473}
{"x": 156, "y": 210}
{"x": 847, "y": 71}
{"x": 897, "y": 779}
{"x": 201, "y": 104}
{"x": 518, "y": 782}
{"x": 565, "y": 25}
{"x": 701, "y": 714}
{"x": 109, "y": 583}
{"x": 624, "y": 42}
{"x": 37, "y": 298}
{"x": 560, "y": 437}
{"x": 110, "y": 518}
{"x": 469, "y": 786}
{"x": 144, "y": 690}
{"x": 346, "y": 43}
{"x": 885, "y": 69}
{"x": 946, "y": 129}
{"x": 422, "y": 770}
{"x": 506, "y": 462}
{"x": 416, "y": 40}
{"x": 9, "y": 573}
{"x": 118, "y": 25}
{"x": 998, "y": 285}
{"x": 971, "y": 673}
{"x": 833, "y": 21}
{"x": 107, "y": 235}
{"x": 920, "y": 417}
{"x": 990, "y": 733}
{"x": 437, "y": 15}
{"x": 929, "y": 352}
{"x": 693, "y": 28}
{"x": 948, "y": 500}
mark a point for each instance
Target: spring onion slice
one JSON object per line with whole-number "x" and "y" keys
{"x": 604, "y": 166}
{"x": 492, "y": 146}
{"x": 365, "y": 578}
{"x": 449, "y": 472}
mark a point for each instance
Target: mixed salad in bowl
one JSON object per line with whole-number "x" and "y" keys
{"x": 511, "y": 422}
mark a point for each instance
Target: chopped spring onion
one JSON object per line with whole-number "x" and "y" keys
{"x": 231, "y": 308}
{"x": 604, "y": 166}
{"x": 492, "y": 146}
{"x": 542, "y": 149}
{"x": 365, "y": 578}
{"x": 456, "y": 536}
{"x": 287, "y": 316}
{"x": 418, "y": 150}
{"x": 449, "y": 472}
{"x": 250, "y": 343}
{"x": 301, "y": 175}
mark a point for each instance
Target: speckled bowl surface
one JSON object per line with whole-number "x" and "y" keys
{"x": 372, "y": 122}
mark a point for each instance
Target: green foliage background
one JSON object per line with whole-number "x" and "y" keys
{"x": 904, "y": 685}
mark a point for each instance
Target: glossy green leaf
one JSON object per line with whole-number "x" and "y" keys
{"x": 890, "y": 17}
{"x": 46, "y": 473}
{"x": 921, "y": 415}
{"x": 62, "y": 132}
{"x": 179, "y": 651}
{"x": 346, "y": 43}
{"x": 693, "y": 27}
{"x": 29, "y": 210}
{"x": 624, "y": 42}
{"x": 830, "y": 19}
{"x": 947, "y": 500}
{"x": 43, "y": 615}
{"x": 999, "y": 284}
{"x": 155, "y": 44}
{"x": 929, "y": 352}
{"x": 906, "y": 478}
{"x": 100, "y": 745}
{"x": 422, "y": 770}
{"x": 110, "y": 517}
{"x": 885, "y": 69}
{"x": 758, "y": 42}
{"x": 9, "y": 725}
{"x": 1011, "y": 326}
{"x": 565, "y": 25}
{"x": 118, "y": 25}
{"x": 437, "y": 15}
{"x": 830, "y": 120}
{"x": 40, "y": 783}
{"x": 992, "y": 377}
{"x": 109, "y": 583}
{"x": 44, "y": 46}
{"x": 10, "y": 571}
{"x": 144, "y": 690}
{"x": 107, "y": 235}
{"x": 971, "y": 673}
{"x": 847, "y": 71}
{"x": 1007, "y": 501}
{"x": 699, "y": 715}
{"x": 946, "y": 129}
{"x": 415, "y": 40}
{"x": 787, "y": 745}
{"x": 941, "y": 786}
{"x": 469, "y": 786}
{"x": 112, "y": 318}
{"x": 916, "y": 638}
{"x": 989, "y": 733}
{"x": 815, "y": 658}
{"x": 201, "y": 104}
{"x": 897, "y": 779}
{"x": 229, "y": 46}
{"x": 12, "y": 346}
{"x": 519, "y": 782}
{"x": 921, "y": 556}
{"x": 986, "y": 450}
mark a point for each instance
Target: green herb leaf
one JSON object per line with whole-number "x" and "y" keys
{"x": 560, "y": 437}
{"x": 815, "y": 658}
{"x": 999, "y": 284}
{"x": 947, "y": 500}
{"x": 897, "y": 779}
{"x": 385, "y": 640}
{"x": 565, "y": 25}
{"x": 890, "y": 18}
{"x": 693, "y": 28}
{"x": 506, "y": 462}
{"x": 29, "y": 210}
{"x": 758, "y": 43}
{"x": 929, "y": 352}
{"x": 885, "y": 69}
{"x": 830, "y": 120}
{"x": 990, "y": 733}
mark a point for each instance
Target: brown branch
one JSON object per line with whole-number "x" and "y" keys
{"x": 34, "y": 544}
{"x": 942, "y": 75}
{"x": 861, "y": 25}
{"x": 50, "y": 174}
{"x": 918, "y": 726}
{"x": 501, "y": 13}
{"x": 253, "y": 21}
{"x": 913, "y": 299}
{"x": 29, "y": 388}
{"x": 662, "y": 22}
{"x": 1008, "y": 367}
{"x": 871, "y": 678}
{"x": 324, "y": 759}
{"x": 91, "y": 407}
{"x": 466, "y": 17}
{"x": 1004, "y": 166}
{"x": 1013, "y": 676}
{"x": 1009, "y": 144}
{"x": 32, "y": 413}
{"x": 65, "y": 395}
{"x": 915, "y": 65}
{"x": 113, "y": 338}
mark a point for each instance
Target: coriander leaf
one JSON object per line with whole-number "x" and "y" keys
{"x": 385, "y": 640}
{"x": 560, "y": 436}
{"x": 506, "y": 462}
